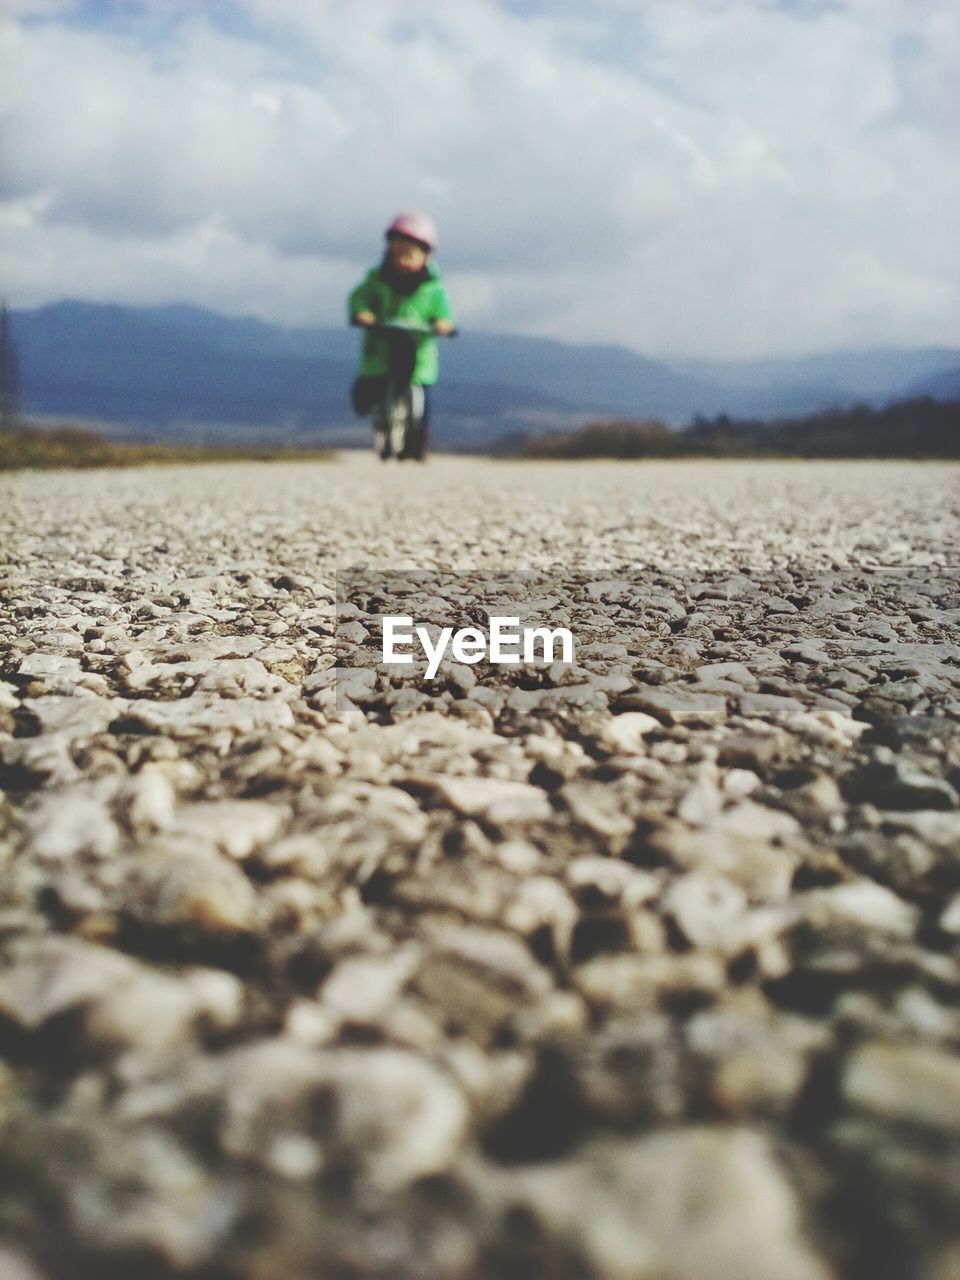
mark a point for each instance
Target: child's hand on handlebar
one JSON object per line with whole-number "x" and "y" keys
{"x": 365, "y": 318}
{"x": 443, "y": 326}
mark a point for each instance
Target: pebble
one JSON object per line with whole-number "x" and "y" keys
{"x": 677, "y": 706}
{"x": 236, "y": 827}
{"x": 861, "y": 902}
{"x": 705, "y": 907}
{"x": 66, "y": 824}
{"x": 196, "y": 891}
{"x": 678, "y": 1205}
{"x": 403, "y": 1117}
{"x": 950, "y": 919}
{"x": 497, "y": 801}
{"x": 127, "y": 1005}
{"x": 628, "y": 982}
{"x": 628, "y": 731}
{"x": 908, "y": 1084}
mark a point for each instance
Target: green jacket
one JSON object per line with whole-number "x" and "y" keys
{"x": 428, "y": 302}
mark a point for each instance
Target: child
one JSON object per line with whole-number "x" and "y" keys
{"x": 405, "y": 286}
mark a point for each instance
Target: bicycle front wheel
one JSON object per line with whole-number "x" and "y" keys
{"x": 416, "y": 434}
{"x": 400, "y": 419}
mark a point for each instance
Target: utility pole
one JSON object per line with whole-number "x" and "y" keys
{"x": 9, "y": 373}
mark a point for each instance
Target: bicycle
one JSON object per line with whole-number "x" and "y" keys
{"x": 398, "y": 415}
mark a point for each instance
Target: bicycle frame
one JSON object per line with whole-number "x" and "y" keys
{"x": 398, "y": 418}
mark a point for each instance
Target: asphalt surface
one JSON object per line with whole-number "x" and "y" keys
{"x": 643, "y": 968}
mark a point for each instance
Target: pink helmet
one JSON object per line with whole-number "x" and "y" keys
{"x": 416, "y": 226}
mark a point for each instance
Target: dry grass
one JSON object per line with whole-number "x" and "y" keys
{"x": 72, "y": 447}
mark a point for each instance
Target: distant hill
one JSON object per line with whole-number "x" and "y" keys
{"x": 183, "y": 372}
{"x": 944, "y": 385}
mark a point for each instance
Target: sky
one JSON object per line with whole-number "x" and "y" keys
{"x": 687, "y": 178}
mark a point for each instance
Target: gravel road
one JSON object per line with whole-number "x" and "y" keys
{"x": 640, "y": 969}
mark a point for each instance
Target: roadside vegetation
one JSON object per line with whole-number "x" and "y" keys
{"x": 922, "y": 428}
{"x": 69, "y": 446}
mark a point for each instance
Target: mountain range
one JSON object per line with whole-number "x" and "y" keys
{"x": 183, "y": 372}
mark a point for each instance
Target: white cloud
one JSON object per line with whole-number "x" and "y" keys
{"x": 206, "y": 263}
{"x": 38, "y": 8}
{"x": 712, "y": 177}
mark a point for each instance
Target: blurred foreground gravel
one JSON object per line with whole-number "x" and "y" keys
{"x": 644, "y": 971}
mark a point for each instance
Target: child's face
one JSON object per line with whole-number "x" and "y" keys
{"x": 407, "y": 255}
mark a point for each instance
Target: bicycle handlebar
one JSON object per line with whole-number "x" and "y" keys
{"x": 400, "y": 326}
